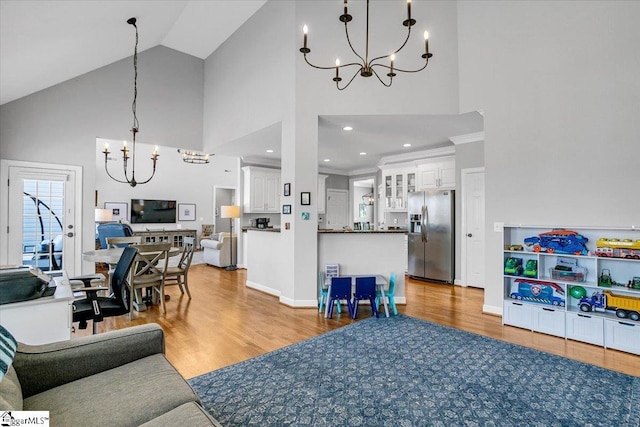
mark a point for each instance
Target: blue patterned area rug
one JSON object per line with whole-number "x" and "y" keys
{"x": 402, "y": 371}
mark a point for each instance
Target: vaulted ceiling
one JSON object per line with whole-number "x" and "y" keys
{"x": 43, "y": 43}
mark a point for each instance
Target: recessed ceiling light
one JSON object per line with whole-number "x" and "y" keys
{"x": 347, "y": 128}
{"x": 269, "y": 151}
{"x": 363, "y": 154}
{"x": 406, "y": 145}
{"x": 327, "y": 160}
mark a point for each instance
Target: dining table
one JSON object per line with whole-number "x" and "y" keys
{"x": 111, "y": 256}
{"x": 381, "y": 282}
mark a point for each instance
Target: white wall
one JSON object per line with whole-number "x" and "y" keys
{"x": 558, "y": 83}
{"x": 174, "y": 180}
{"x": 60, "y": 124}
{"x": 258, "y": 77}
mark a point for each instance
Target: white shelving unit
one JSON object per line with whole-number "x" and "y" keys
{"x": 552, "y": 305}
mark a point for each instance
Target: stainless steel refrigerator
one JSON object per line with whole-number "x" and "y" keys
{"x": 431, "y": 235}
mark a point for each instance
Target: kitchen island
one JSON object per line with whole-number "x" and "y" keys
{"x": 356, "y": 252}
{"x": 366, "y": 252}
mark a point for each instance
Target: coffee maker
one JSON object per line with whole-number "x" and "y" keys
{"x": 260, "y": 222}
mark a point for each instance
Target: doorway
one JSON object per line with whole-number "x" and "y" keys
{"x": 362, "y": 209}
{"x": 222, "y": 196}
{"x": 43, "y": 224}
{"x": 473, "y": 228}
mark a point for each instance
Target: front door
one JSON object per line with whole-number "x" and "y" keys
{"x": 41, "y": 217}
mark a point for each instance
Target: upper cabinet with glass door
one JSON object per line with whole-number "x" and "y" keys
{"x": 397, "y": 183}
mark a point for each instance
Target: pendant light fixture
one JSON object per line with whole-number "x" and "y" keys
{"x": 136, "y": 126}
{"x": 196, "y": 157}
{"x": 367, "y": 67}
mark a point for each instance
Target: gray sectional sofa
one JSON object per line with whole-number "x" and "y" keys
{"x": 118, "y": 378}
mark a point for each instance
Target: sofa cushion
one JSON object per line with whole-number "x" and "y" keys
{"x": 8, "y": 345}
{"x": 188, "y": 414}
{"x": 10, "y": 392}
{"x": 128, "y": 395}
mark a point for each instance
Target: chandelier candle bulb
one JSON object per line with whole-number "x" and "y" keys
{"x": 408, "y": 9}
{"x": 426, "y": 42}
{"x": 305, "y": 30}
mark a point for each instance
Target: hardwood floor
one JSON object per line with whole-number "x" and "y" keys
{"x": 225, "y": 323}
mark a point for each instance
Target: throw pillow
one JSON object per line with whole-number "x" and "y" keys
{"x": 8, "y": 345}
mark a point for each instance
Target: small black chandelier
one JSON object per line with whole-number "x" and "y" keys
{"x": 136, "y": 126}
{"x": 197, "y": 157}
{"x": 366, "y": 68}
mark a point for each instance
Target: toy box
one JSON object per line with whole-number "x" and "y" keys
{"x": 568, "y": 270}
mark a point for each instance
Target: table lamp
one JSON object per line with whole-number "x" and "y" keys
{"x": 230, "y": 212}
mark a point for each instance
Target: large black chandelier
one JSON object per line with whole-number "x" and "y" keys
{"x": 367, "y": 67}
{"x": 136, "y": 126}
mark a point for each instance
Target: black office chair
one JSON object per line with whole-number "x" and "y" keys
{"x": 94, "y": 307}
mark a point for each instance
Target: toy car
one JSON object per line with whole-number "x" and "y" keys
{"x": 513, "y": 267}
{"x": 558, "y": 241}
{"x": 531, "y": 269}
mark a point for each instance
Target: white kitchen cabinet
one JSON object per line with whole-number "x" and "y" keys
{"x": 322, "y": 193}
{"x": 583, "y": 283}
{"x": 397, "y": 183}
{"x": 261, "y": 190}
{"x": 436, "y": 174}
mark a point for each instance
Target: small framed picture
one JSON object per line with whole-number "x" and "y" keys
{"x": 119, "y": 210}
{"x": 287, "y": 189}
{"x": 286, "y": 209}
{"x": 305, "y": 198}
{"x": 186, "y": 212}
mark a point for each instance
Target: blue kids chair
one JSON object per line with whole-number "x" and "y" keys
{"x": 340, "y": 289}
{"x": 390, "y": 294}
{"x": 365, "y": 290}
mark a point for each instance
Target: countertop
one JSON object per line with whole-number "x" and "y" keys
{"x": 270, "y": 229}
{"x": 328, "y": 231}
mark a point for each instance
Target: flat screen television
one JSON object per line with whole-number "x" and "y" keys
{"x": 146, "y": 211}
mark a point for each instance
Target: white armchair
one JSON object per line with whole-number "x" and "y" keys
{"x": 217, "y": 252}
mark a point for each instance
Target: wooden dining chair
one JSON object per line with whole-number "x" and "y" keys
{"x": 149, "y": 270}
{"x": 178, "y": 275}
{"x": 121, "y": 242}
{"x": 365, "y": 290}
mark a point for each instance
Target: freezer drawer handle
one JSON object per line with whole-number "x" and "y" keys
{"x": 584, "y": 315}
{"x": 627, "y": 324}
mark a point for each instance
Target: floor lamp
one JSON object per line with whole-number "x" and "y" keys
{"x": 230, "y": 212}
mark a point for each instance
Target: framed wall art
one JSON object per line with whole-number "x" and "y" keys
{"x": 305, "y": 198}
{"x": 287, "y": 189}
{"x": 186, "y": 212}
{"x": 119, "y": 210}
{"x": 286, "y": 209}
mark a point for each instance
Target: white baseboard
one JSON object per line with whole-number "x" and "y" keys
{"x": 262, "y": 288}
{"x": 490, "y": 309}
{"x": 299, "y": 303}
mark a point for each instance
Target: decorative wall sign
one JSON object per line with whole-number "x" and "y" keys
{"x": 186, "y": 212}
{"x": 305, "y": 216}
{"x": 120, "y": 210}
{"x": 305, "y": 198}
{"x": 287, "y": 189}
